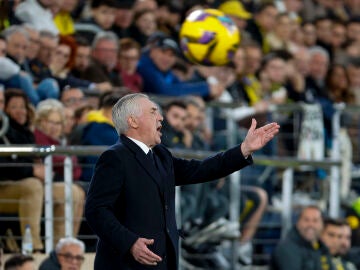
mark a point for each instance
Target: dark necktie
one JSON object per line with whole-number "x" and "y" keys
{"x": 150, "y": 155}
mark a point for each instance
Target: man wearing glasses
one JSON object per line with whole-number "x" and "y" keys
{"x": 68, "y": 255}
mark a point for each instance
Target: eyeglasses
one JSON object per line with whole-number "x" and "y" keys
{"x": 54, "y": 123}
{"x": 69, "y": 257}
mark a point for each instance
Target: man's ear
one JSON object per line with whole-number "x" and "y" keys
{"x": 132, "y": 122}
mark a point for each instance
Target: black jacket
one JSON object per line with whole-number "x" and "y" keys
{"x": 50, "y": 263}
{"x": 129, "y": 198}
{"x": 295, "y": 253}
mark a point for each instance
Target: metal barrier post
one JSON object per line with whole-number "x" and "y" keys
{"x": 68, "y": 181}
{"x": 334, "y": 200}
{"x": 49, "y": 215}
{"x": 287, "y": 188}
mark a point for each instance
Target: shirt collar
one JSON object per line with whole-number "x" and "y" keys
{"x": 142, "y": 145}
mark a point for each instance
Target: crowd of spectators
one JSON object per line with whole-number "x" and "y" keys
{"x": 65, "y": 63}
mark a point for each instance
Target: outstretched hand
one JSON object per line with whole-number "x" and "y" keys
{"x": 256, "y": 138}
{"x": 143, "y": 254}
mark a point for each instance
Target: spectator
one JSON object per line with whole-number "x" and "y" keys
{"x": 37, "y": 13}
{"x": 22, "y": 185}
{"x": 19, "y": 262}
{"x": 128, "y": 58}
{"x": 323, "y": 27}
{"x": 353, "y": 71}
{"x": 173, "y": 126}
{"x": 102, "y": 18}
{"x": 331, "y": 236}
{"x": 337, "y": 85}
{"x": 82, "y": 58}
{"x": 104, "y": 52}
{"x": 144, "y": 25}
{"x": 73, "y": 98}
{"x": 49, "y": 130}
{"x": 123, "y": 18}
{"x": 302, "y": 248}
{"x": 68, "y": 255}
{"x": 63, "y": 19}
{"x": 99, "y": 130}
{"x": 34, "y": 42}
{"x": 309, "y": 32}
{"x": 237, "y": 12}
{"x": 155, "y": 68}
{"x": 353, "y": 30}
{"x": 262, "y": 24}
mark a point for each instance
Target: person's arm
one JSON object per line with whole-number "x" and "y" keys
{"x": 105, "y": 187}
{"x": 225, "y": 163}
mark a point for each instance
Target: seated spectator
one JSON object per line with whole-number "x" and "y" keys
{"x": 144, "y": 25}
{"x": 34, "y": 42}
{"x": 62, "y": 60}
{"x": 68, "y": 254}
{"x": 49, "y": 130}
{"x": 102, "y": 18}
{"x": 99, "y": 130}
{"x": 63, "y": 19}
{"x": 37, "y": 13}
{"x": 155, "y": 68}
{"x": 301, "y": 248}
{"x": 22, "y": 186}
{"x": 128, "y": 58}
{"x": 17, "y": 42}
{"x": 123, "y": 18}
{"x": 82, "y": 57}
{"x": 73, "y": 98}
{"x": 19, "y": 262}
{"x": 104, "y": 52}
{"x": 331, "y": 236}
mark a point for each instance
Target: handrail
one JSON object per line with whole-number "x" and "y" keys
{"x": 282, "y": 162}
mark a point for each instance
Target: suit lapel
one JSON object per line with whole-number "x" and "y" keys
{"x": 144, "y": 161}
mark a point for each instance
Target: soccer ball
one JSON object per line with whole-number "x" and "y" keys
{"x": 208, "y": 37}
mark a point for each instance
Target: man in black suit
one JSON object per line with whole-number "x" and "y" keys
{"x": 131, "y": 199}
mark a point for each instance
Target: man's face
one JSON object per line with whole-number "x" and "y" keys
{"x": 73, "y": 98}
{"x": 345, "y": 239}
{"x": 128, "y": 60}
{"x": 164, "y": 59}
{"x": 2, "y": 48}
{"x": 253, "y": 57}
{"x": 34, "y": 44}
{"x": 17, "y": 44}
{"x": 104, "y": 16}
{"x": 148, "y": 123}
{"x": 176, "y": 116}
{"x": 106, "y": 53}
{"x": 82, "y": 58}
{"x": 194, "y": 117}
{"x": 318, "y": 66}
{"x": 70, "y": 257}
{"x": 267, "y": 18}
{"x": 331, "y": 238}
{"x": 47, "y": 47}
{"x": 310, "y": 224}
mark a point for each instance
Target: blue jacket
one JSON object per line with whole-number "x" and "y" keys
{"x": 166, "y": 83}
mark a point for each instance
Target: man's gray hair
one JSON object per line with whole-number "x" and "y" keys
{"x": 15, "y": 29}
{"x": 126, "y": 106}
{"x": 319, "y": 50}
{"x": 105, "y": 35}
{"x": 48, "y": 34}
{"x": 67, "y": 241}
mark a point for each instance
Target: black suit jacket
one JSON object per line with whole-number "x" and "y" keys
{"x": 129, "y": 198}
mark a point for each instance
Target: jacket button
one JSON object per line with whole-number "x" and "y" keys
{"x": 166, "y": 207}
{"x": 168, "y": 231}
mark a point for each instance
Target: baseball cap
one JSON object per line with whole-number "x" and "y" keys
{"x": 167, "y": 43}
{"x": 235, "y": 8}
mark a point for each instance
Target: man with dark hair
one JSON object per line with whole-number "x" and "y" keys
{"x": 302, "y": 249}
{"x": 335, "y": 236}
{"x": 19, "y": 262}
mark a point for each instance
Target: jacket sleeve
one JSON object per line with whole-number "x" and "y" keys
{"x": 105, "y": 187}
{"x": 211, "y": 168}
